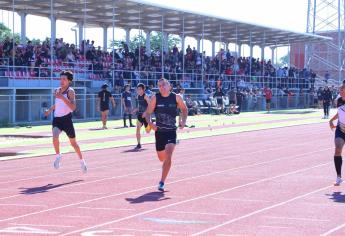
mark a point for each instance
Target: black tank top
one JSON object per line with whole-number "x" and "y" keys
{"x": 166, "y": 112}
{"x": 142, "y": 104}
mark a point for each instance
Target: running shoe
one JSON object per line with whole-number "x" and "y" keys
{"x": 161, "y": 186}
{"x": 83, "y": 166}
{"x": 57, "y": 162}
{"x": 138, "y": 147}
{"x": 133, "y": 126}
{"x": 338, "y": 181}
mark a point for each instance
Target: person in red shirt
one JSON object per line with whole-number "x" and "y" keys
{"x": 268, "y": 95}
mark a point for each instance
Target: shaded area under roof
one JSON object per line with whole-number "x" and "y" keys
{"x": 128, "y": 14}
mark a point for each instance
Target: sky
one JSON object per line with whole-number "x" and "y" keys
{"x": 289, "y": 15}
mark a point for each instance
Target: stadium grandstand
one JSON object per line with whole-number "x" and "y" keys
{"x": 29, "y": 72}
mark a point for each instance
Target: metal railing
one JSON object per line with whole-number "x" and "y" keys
{"x": 29, "y": 109}
{"x": 39, "y": 76}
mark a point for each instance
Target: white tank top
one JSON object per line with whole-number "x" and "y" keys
{"x": 61, "y": 109}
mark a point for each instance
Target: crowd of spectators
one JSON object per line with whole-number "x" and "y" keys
{"x": 188, "y": 69}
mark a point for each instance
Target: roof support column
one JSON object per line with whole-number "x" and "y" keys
{"x": 105, "y": 38}
{"x": 272, "y": 55}
{"x": 213, "y": 48}
{"x": 262, "y": 53}
{"x": 240, "y": 50}
{"x": 198, "y": 44}
{"x": 53, "y": 28}
{"x": 81, "y": 33}
{"x": 166, "y": 42}
{"x": 148, "y": 43}
{"x": 251, "y": 51}
{"x": 183, "y": 42}
{"x": 128, "y": 36}
{"x": 23, "y": 27}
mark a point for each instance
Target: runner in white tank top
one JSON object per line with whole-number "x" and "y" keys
{"x": 61, "y": 109}
{"x": 64, "y": 106}
{"x": 339, "y": 139}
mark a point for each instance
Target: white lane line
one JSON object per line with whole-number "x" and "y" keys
{"x": 198, "y": 213}
{"x": 67, "y": 216}
{"x": 296, "y": 218}
{"x": 211, "y": 195}
{"x": 154, "y": 186}
{"x": 106, "y": 209}
{"x": 34, "y": 225}
{"x": 185, "y": 164}
{"x": 22, "y": 205}
{"x": 274, "y": 227}
{"x": 83, "y": 193}
{"x": 239, "y": 199}
{"x": 115, "y": 162}
{"x": 331, "y": 231}
{"x": 261, "y": 210}
{"x": 142, "y": 230}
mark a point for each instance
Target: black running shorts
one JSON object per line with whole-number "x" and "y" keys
{"x": 163, "y": 138}
{"x": 65, "y": 124}
{"x": 142, "y": 120}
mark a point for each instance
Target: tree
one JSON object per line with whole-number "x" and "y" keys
{"x": 284, "y": 61}
{"x": 156, "y": 42}
{"x": 6, "y": 32}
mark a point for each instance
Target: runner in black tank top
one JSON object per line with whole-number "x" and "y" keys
{"x": 104, "y": 96}
{"x": 165, "y": 105}
{"x": 142, "y": 103}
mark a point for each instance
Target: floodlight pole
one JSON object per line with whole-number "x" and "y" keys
{"x": 251, "y": 55}
{"x": 220, "y": 56}
{"x": 183, "y": 47}
{"x": 140, "y": 34}
{"x": 13, "y": 42}
{"x": 202, "y": 53}
{"x": 52, "y": 41}
{"x": 113, "y": 47}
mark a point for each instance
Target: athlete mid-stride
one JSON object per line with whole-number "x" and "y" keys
{"x": 165, "y": 105}
{"x": 65, "y": 104}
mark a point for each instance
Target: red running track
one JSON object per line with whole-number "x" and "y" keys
{"x": 270, "y": 182}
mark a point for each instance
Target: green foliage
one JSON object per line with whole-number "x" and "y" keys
{"x": 156, "y": 42}
{"x": 5, "y": 32}
{"x": 284, "y": 61}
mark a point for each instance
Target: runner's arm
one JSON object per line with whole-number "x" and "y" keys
{"x": 150, "y": 109}
{"x": 331, "y": 124}
{"x": 70, "y": 101}
{"x": 112, "y": 99}
{"x": 50, "y": 110}
{"x": 184, "y": 111}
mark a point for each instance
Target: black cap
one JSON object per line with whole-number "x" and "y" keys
{"x": 104, "y": 86}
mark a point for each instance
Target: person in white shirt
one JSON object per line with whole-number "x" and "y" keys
{"x": 65, "y": 104}
{"x": 339, "y": 139}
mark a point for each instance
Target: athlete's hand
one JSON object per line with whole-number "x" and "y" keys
{"x": 46, "y": 113}
{"x": 153, "y": 126}
{"x": 58, "y": 95}
{"x": 331, "y": 125}
{"x": 182, "y": 125}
